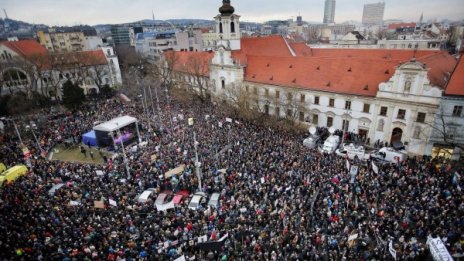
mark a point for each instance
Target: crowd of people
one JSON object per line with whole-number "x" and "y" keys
{"x": 279, "y": 200}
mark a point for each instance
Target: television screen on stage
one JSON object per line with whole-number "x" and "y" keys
{"x": 111, "y": 133}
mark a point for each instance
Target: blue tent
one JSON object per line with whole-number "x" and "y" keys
{"x": 89, "y": 137}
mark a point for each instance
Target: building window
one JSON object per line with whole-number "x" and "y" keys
{"x": 220, "y": 28}
{"x": 457, "y": 111}
{"x": 289, "y": 113}
{"x": 316, "y": 100}
{"x": 420, "y": 117}
{"x": 232, "y": 27}
{"x": 315, "y": 119}
{"x": 401, "y": 114}
{"x": 277, "y": 111}
{"x": 383, "y": 111}
{"x": 255, "y": 90}
{"x": 302, "y": 98}
{"x": 416, "y": 133}
{"x": 366, "y": 108}
{"x": 380, "y": 125}
{"x": 345, "y": 125}
{"x": 331, "y": 102}
{"x": 223, "y": 83}
{"x": 266, "y": 109}
{"x": 329, "y": 122}
{"x": 289, "y": 96}
{"x": 266, "y": 92}
{"x": 347, "y": 105}
{"x": 301, "y": 117}
{"x": 277, "y": 94}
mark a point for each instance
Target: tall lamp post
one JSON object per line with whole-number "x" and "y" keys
{"x": 197, "y": 162}
{"x": 123, "y": 151}
{"x": 32, "y": 127}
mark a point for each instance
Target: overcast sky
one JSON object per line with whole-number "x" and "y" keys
{"x": 72, "y": 12}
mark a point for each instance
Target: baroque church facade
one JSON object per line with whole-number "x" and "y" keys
{"x": 381, "y": 95}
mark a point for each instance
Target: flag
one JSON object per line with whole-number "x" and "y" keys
{"x": 392, "y": 250}
{"x": 190, "y": 121}
{"x": 375, "y": 168}
{"x": 113, "y": 203}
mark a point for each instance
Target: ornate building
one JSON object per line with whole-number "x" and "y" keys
{"x": 380, "y": 94}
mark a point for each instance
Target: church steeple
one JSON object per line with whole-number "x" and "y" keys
{"x": 228, "y": 27}
{"x": 226, "y": 8}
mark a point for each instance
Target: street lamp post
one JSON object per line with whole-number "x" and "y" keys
{"x": 197, "y": 163}
{"x": 123, "y": 151}
{"x": 32, "y": 127}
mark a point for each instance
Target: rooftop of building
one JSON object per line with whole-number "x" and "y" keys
{"x": 455, "y": 85}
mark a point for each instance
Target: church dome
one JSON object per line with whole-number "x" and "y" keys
{"x": 226, "y": 8}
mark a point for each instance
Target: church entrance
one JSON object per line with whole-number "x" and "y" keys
{"x": 397, "y": 133}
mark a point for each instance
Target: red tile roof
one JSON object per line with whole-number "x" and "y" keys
{"x": 401, "y": 25}
{"x": 340, "y": 75}
{"x": 351, "y": 71}
{"x": 195, "y": 63}
{"x": 456, "y": 83}
{"x": 26, "y": 48}
{"x": 440, "y": 66}
{"x": 273, "y": 45}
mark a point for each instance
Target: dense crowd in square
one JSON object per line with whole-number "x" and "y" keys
{"x": 279, "y": 200}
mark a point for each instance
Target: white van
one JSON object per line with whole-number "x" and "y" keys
{"x": 390, "y": 155}
{"x": 330, "y": 144}
{"x": 214, "y": 200}
{"x": 351, "y": 151}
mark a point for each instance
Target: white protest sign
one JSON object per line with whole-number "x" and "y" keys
{"x": 228, "y": 120}
{"x": 392, "y": 250}
{"x": 164, "y": 207}
{"x": 438, "y": 249}
{"x": 354, "y": 170}
{"x": 375, "y": 168}
{"x": 181, "y": 258}
{"x": 113, "y": 203}
{"x": 352, "y": 237}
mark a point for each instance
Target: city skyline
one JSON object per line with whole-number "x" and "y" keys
{"x": 123, "y": 11}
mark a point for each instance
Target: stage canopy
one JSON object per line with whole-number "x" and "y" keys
{"x": 89, "y": 137}
{"x": 115, "y": 124}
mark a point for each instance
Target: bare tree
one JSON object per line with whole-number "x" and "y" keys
{"x": 446, "y": 130}
{"x": 197, "y": 72}
{"x": 164, "y": 69}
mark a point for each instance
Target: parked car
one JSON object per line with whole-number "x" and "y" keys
{"x": 142, "y": 198}
{"x": 214, "y": 200}
{"x": 196, "y": 201}
{"x": 180, "y": 196}
{"x": 161, "y": 198}
{"x": 330, "y": 144}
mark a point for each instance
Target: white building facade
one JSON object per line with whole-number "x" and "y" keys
{"x": 397, "y": 102}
